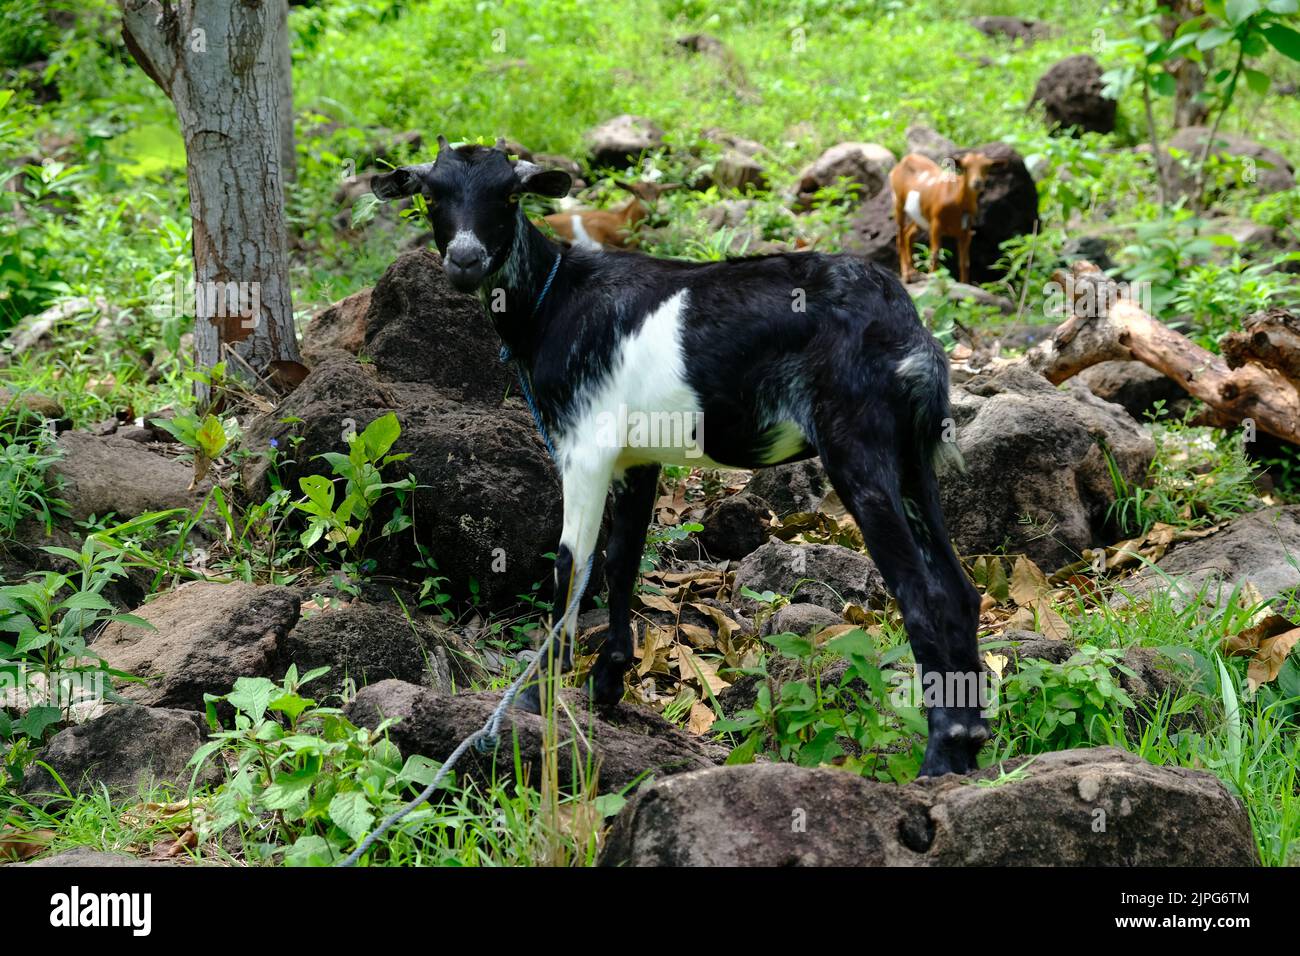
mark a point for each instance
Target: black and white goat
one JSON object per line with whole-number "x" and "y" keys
{"x": 770, "y": 359}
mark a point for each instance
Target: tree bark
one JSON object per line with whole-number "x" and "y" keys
{"x": 284, "y": 85}
{"x": 1103, "y": 327}
{"x": 216, "y": 60}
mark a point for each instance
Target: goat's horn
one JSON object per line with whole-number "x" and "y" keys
{"x": 443, "y": 145}
{"x": 501, "y": 144}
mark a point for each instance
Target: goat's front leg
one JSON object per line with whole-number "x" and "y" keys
{"x": 634, "y": 496}
{"x": 963, "y": 255}
{"x": 585, "y": 481}
{"x": 936, "y": 244}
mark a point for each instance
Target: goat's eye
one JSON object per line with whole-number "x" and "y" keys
{"x": 513, "y": 198}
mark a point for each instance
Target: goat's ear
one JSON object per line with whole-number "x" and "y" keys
{"x": 403, "y": 181}
{"x": 554, "y": 183}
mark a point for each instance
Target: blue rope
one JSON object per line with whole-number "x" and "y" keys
{"x": 486, "y": 738}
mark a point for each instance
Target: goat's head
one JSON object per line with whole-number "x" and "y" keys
{"x": 975, "y": 168}
{"x": 472, "y": 193}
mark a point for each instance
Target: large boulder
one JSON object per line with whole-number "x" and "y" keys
{"x": 367, "y": 643}
{"x": 929, "y": 142}
{"x": 1268, "y": 170}
{"x": 1037, "y": 480}
{"x": 420, "y": 329}
{"x": 734, "y": 526}
{"x": 1259, "y": 548}
{"x": 488, "y": 504}
{"x": 1008, "y": 207}
{"x": 111, "y": 474}
{"x": 1011, "y": 28}
{"x": 620, "y": 141}
{"x": 127, "y": 751}
{"x": 1098, "y": 807}
{"x": 1070, "y": 93}
{"x": 793, "y": 488}
{"x": 622, "y": 747}
{"x": 1134, "y": 385}
{"x": 203, "y": 636}
{"x": 828, "y": 575}
{"x": 341, "y": 326}
{"x": 866, "y": 164}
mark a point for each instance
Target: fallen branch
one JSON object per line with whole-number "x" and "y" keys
{"x": 1251, "y": 387}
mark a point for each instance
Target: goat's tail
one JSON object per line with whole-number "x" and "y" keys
{"x": 923, "y": 375}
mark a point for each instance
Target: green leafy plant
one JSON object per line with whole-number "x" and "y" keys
{"x": 1045, "y": 706}
{"x": 1194, "y": 480}
{"x": 851, "y": 718}
{"x": 25, "y": 487}
{"x": 50, "y": 617}
{"x": 304, "y": 779}
{"x": 341, "y": 524}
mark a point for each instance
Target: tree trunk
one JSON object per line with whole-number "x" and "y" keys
{"x": 284, "y": 83}
{"x": 217, "y": 62}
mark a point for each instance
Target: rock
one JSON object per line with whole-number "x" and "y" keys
{"x": 83, "y": 856}
{"x": 1027, "y": 645}
{"x": 1042, "y": 449}
{"x": 738, "y": 171}
{"x": 1268, "y": 170}
{"x": 365, "y": 644}
{"x": 204, "y": 636}
{"x": 1070, "y": 93}
{"x": 769, "y": 814}
{"x": 619, "y": 142}
{"x": 103, "y": 475}
{"x": 867, "y": 164}
{"x": 1259, "y": 547}
{"x": 801, "y": 619}
{"x": 736, "y": 525}
{"x": 1008, "y": 207}
{"x": 420, "y": 329}
{"x": 1094, "y": 249}
{"x": 926, "y": 141}
{"x": 30, "y": 405}
{"x": 827, "y": 575}
{"x": 794, "y": 488}
{"x": 489, "y": 504}
{"x": 128, "y": 750}
{"x": 1011, "y": 28}
{"x": 341, "y": 326}
{"x": 628, "y": 744}
{"x": 1135, "y": 386}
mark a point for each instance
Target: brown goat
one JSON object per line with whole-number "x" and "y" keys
{"x": 607, "y": 228}
{"x": 944, "y": 201}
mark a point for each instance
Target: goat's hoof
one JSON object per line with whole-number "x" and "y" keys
{"x": 607, "y": 684}
{"x": 955, "y": 742}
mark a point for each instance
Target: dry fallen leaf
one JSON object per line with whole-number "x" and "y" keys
{"x": 1267, "y": 642}
{"x": 1028, "y": 582}
{"x": 701, "y": 719}
{"x": 16, "y": 845}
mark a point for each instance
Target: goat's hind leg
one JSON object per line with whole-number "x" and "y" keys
{"x": 585, "y": 487}
{"x": 940, "y": 607}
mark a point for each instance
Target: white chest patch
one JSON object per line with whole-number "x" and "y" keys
{"x": 644, "y": 410}
{"x": 912, "y": 206}
{"x": 581, "y": 238}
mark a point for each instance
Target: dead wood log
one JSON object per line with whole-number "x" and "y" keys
{"x": 1103, "y": 325}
